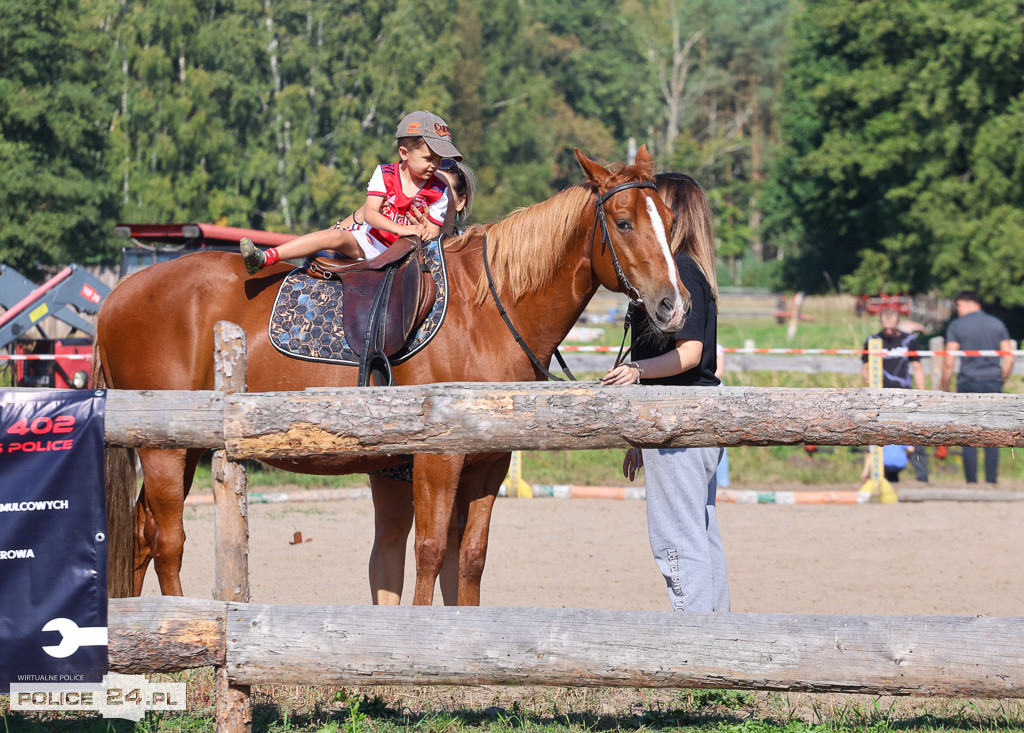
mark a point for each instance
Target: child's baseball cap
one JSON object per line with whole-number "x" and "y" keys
{"x": 432, "y": 129}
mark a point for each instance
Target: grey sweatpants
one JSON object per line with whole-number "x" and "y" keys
{"x": 681, "y": 486}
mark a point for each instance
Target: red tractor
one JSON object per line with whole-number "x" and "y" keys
{"x": 42, "y": 361}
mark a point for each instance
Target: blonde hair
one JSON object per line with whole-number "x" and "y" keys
{"x": 525, "y": 248}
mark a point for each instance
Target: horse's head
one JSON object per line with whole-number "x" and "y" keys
{"x": 631, "y": 248}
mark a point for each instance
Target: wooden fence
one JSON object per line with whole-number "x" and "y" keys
{"x": 474, "y": 417}
{"x": 949, "y": 656}
{"x": 262, "y": 644}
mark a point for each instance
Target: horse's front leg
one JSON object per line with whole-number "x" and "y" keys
{"x": 479, "y": 488}
{"x": 435, "y": 482}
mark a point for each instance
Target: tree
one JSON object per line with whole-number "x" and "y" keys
{"x": 592, "y": 59}
{"x": 54, "y": 115}
{"x": 190, "y": 105}
{"x": 273, "y": 113}
{"x": 901, "y": 124}
{"x": 518, "y": 113}
{"x": 718, "y": 65}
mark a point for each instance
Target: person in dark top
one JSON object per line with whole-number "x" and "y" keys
{"x": 681, "y": 482}
{"x": 974, "y": 329}
{"x": 899, "y": 371}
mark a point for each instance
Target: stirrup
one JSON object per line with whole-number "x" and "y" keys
{"x": 251, "y": 256}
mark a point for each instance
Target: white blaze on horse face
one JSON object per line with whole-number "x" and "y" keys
{"x": 659, "y": 232}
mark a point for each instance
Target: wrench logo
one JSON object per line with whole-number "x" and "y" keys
{"x": 73, "y": 637}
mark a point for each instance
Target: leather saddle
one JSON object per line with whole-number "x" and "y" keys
{"x": 385, "y": 298}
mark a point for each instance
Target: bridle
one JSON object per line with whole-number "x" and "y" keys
{"x": 631, "y": 292}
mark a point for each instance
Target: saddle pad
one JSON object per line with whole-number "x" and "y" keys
{"x": 306, "y": 321}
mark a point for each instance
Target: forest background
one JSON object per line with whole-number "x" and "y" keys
{"x": 859, "y": 145}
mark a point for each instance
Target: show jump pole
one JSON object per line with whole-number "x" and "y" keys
{"x": 474, "y": 417}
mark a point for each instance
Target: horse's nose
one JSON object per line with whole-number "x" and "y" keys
{"x": 672, "y": 311}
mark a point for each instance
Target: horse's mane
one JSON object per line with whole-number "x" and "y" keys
{"x": 526, "y": 247}
{"x": 692, "y": 228}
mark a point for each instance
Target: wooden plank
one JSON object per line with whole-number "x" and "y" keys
{"x": 230, "y": 484}
{"x": 165, "y": 419}
{"x": 358, "y": 645}
{"x": 467, "y": 418}
{"x": 802, "y": 363}
{"x": 165, "y": 634}
{"x": 233, "y": 704}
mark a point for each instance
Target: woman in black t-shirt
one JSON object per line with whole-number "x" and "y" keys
{"x": 681, "y": 482}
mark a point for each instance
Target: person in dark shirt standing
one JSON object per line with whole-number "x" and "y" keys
{"x": 681, "y": 483}
{"x": 974, "y": 329}
{"x": 899, "y": 371}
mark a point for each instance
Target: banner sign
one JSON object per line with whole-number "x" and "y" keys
{"x": 53, "y": 550}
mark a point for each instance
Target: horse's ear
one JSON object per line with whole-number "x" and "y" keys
{"x": 596, "y": 172}
{"x": 644, "y": 160}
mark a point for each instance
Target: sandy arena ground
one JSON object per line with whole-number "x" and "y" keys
{"x": 911, "y": 558}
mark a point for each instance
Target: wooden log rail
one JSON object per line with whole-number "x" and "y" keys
{"x": 473, "y": 417}
{"x": 944, "y": 656}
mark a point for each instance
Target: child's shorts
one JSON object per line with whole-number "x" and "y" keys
{"x": 370, "y": 245}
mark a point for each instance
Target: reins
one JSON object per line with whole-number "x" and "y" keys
{"x": 518, "y": 337}
{"x": 631, "y": 292}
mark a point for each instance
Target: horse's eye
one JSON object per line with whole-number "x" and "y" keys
{"x": 624, "y": 225}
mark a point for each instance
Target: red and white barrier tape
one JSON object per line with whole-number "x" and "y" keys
{"x": 882, "y": 352}
{"x": 610, "y": 349}
{"x": 831, "y": 352}
{"x": 44, "y": 357}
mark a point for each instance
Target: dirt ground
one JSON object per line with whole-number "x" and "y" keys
{"x": 911, "y": 558}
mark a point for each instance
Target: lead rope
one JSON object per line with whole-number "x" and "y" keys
{"x": 623, "y": 351}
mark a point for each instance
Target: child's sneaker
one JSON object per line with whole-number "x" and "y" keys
{"x": 252, "y": 256}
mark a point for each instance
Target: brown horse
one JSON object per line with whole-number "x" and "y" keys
{"x": 155, "y": 331}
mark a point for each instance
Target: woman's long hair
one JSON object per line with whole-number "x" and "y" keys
{"x": 693, "y": 231}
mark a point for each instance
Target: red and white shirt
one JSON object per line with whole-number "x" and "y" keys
{"x": 387, "y": 183}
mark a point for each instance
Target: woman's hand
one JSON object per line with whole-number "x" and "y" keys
{"x": 418, "y": 216}
{"x": 418, "y": 223}
{"x": 625, "y": 373}
{"x": 633, "y": 462}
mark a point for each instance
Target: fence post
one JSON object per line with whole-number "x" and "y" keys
{"x": 231, "y": 524}
{"x": 879, "y": 488}
{"x": 937, "y": 343}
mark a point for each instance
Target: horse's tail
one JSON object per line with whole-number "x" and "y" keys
{"x": 121, "y": 493}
